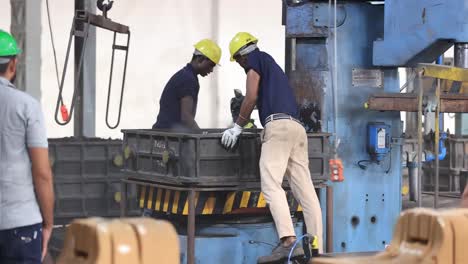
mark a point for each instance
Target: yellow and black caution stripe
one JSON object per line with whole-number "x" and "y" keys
{"x": 206, "y": 203}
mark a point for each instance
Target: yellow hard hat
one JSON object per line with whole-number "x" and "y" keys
{"x": 210, "y": 49}
{"x": 240, "y": 40}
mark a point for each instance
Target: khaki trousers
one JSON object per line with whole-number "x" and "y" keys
{"x": 284, "y": 153}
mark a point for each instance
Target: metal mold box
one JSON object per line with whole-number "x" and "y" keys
{"x": 86, "y": 180}
{"x": 177, "y": 158}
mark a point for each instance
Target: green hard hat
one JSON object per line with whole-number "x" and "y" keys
{"x": 8, "y": 46}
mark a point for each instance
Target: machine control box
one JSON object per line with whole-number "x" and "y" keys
{"x": 378, "y": 140}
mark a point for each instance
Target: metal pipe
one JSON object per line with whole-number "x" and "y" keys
{"x": 191, "y": 228}
{"x": 413, "y": 181}
{"x": 329, "y": 216}
{"x": 455, "y": 195}
{"x": 85, "y": 76}
{"x": 436, "y": 143}
{"x": 460, "y": 60}
{"x": 215, "y": 84}
{"x": 293, "y": 54}
{"x": 442, "y": 149}
{"x": 335, "y": 79}
{"x": 411, "y": 122}
{"x": 420, "y": 134}
{"x": 461, "y": 55}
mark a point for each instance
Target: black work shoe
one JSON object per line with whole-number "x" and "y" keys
{"x": 281, "y": 253}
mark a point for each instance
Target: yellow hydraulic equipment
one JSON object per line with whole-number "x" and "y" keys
{"x": 421, "y": 236}
{"x": 120, "y": 241}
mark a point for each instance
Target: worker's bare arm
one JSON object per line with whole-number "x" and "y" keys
{"x": 43, "y": 186}
{"x": 186, "y": 111}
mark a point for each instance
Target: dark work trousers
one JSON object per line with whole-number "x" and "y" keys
{"x": 21, "y": 245}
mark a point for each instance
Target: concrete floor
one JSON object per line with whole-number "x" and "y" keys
{"x": 428, "y": 201}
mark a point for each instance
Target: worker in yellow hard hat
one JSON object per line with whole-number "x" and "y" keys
{"x": 178, "y": 103}
{"x": 284, "y": 144}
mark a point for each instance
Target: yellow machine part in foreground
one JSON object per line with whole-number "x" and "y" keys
{"x": 120, "y": 241}
{"x": 421, "y": 236}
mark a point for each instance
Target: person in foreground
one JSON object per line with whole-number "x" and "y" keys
{"x": 26, "y": 190}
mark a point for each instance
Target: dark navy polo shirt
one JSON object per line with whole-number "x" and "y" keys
{"x": 275, "y": 95}
{"x": 183, "y": 83}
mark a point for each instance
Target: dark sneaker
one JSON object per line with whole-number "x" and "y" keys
{"x": 282, "y": 253}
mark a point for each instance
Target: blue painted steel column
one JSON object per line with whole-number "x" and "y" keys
{"x": 419, "y": 31}
{"x": 368, "y": 203}
{"x": 440, "y": 61}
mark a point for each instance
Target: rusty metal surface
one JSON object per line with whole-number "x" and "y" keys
{"x": 309, "y": 88}
{"x": 450, "y": 103}
{"x": 365, "y": 194}
{"x": 102, "y": 22}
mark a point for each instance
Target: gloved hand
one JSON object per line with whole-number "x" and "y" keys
{"x": 230, "y": 136}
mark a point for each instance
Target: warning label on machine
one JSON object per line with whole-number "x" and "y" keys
{"x": 367, "y": 78}
{"x": 381, "y": 138}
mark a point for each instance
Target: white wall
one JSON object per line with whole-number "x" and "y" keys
{"x": 163, "y": 34}
{"x": 262, "y": 18}
{"x": 5, "y": 15}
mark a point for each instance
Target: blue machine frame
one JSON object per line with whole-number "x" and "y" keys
{"x": 396, "y": 33}
{"x": 420, "y": 31}
{"x": 368, "y": 203}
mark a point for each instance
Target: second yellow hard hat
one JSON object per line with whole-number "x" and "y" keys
{"x": 210, "y": 49}
{"x": 240, "y": 40}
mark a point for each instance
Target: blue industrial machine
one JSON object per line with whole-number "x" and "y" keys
{"x": 367, "y": 204}
{"x": 339, "y": 55}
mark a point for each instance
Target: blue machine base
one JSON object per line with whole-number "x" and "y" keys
{"x": 233, "y": 243}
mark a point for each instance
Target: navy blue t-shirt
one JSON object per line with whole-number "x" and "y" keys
{"x": 183, "y": 83}
{"x": 275, "y": 95}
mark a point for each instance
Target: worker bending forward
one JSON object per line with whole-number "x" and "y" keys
{"x": 284, "y": 143}
{"x": 178, "y": 103}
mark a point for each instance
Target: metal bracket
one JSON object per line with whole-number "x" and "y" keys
{"x": 444, "y": 72}
{"x": 397, "y": 141}
{"x": 87, "y": 19}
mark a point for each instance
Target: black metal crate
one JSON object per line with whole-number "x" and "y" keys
{"x": 177, "y": 158}
{"x": 87, "y": 181}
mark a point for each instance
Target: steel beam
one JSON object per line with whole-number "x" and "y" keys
{"x": 450, "y": 103}
{"x": 85, "y": 108}
{"x": 444, "y": 72}
{"x": 411, "y": 123}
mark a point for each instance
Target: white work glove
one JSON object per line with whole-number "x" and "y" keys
{"x": 230, "y": 136}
